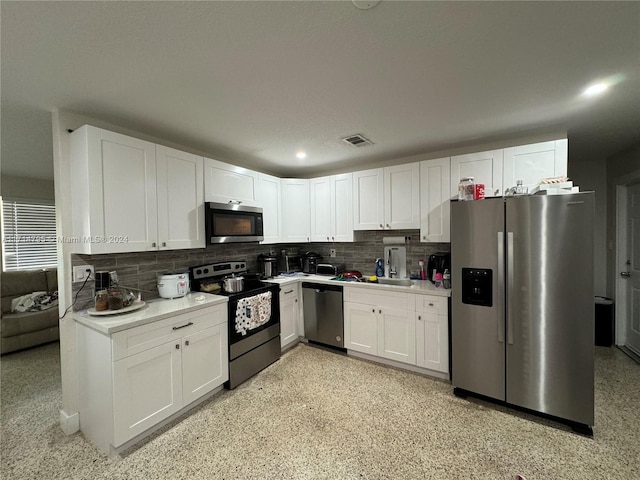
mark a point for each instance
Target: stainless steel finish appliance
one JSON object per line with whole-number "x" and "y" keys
{"x": 310, "y": 261}
{"x": 437, "y": 263}
{"x": 232, "y": 222}
{"x": 268, "y": 265}
{"x": 395, "y": 262}
{"x": 289, "y": 261}
{"x": 330, "y": 269}
{"x": 323, "y": 313}
{"x": 522, "y": 303}
{"x": 251, "y": 348}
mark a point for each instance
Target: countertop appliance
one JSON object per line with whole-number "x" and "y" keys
{"x": 253, "y": 318}
{"x": 395, "y": 262}
{"x": 268, "y": 265}
{"x": 522, "y": 303}
{"x": 310, "y": 261}
{"x": 330, "y": 269}
{"x": 289, "y": 261}
{"x": 232, "y": 222}
{"x": 323, "y": 314}
{"x": 173, "y": 285}
{"x": 437, "y": 263}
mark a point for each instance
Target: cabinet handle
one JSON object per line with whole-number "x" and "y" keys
{"x": 379, "y": 311}
{"x": 419, "y": 317}
{"x": 186, "y": 343}
{"x": 333, "y": 239}
{"x": 327, "y": 239}
{"x": 153, "y": 244}
{"x": 424, "y": 237}
{"x": 431, "y": 304}
{"x": 296, "y": 301}
{"x": 381, "y": 226}
{"x": 373, "y": 310}
{"x": 177, "y": 346}
{"x": 183, "y": 326}
{"x": 164, "y": 244}
{"x": 288, "y": 292}
{"x": 388, "y": 226}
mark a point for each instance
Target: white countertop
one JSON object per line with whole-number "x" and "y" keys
{"x": 423, "y": 287}
{"x": 154, "y": 310}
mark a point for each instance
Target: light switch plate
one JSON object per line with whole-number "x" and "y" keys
{"x": 332, "y": 253}
{"x": 80, "y": 273}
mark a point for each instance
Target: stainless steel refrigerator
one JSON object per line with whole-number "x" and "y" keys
{"x": 522, "y": 317}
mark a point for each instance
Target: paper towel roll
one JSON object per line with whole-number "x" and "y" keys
{"x": 394, "y": 240}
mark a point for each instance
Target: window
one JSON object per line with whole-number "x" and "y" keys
{"x": 28, "y": 234}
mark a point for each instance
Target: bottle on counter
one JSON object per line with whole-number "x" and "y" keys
{"x": 446, "y": 279}
{"x": 379, "y": 268}
{"x": 438, "y": 277}
{"x": 422, "y": 274}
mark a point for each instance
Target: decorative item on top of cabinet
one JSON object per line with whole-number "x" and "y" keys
{"x": 484, "y": 167}
{"x": 387, "y": 198}
{"x": 129, "y": 195}
{"x": 531, "y": 163}
{"x": 435, "y": 197}
{"x": 331, "y": 208}
{"x": 225, "y": 183}
{"x": 295, "y": 210}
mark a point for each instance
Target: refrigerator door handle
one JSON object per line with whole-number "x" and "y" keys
{"x": 509, "y": 286}
{"x": 500, "y": 286}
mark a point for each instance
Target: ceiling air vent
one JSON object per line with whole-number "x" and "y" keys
{"x": 357, "y": 140}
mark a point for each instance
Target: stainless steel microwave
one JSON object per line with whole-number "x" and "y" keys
{"x": 226, "y": 223}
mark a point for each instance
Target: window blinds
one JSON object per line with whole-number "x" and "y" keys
{"x": 28, "y": 235}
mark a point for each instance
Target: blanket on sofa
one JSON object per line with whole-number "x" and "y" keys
{"x": 33, "y": 302}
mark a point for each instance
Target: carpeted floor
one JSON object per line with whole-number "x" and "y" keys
{"x": 315, "y": 414}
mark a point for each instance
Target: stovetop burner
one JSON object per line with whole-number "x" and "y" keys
{"x": 209, "y": 278}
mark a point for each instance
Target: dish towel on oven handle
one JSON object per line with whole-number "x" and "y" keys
{"x": 253, "y": 312}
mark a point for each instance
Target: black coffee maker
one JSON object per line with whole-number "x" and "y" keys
{"x": 438, "y": 263}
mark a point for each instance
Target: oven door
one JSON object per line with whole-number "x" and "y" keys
{"x": 225, "y": 223}
{"x": 254, "y": 318}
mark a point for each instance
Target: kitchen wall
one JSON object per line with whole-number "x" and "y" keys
{"x": 139, "y": 270}
{"x": 23, "y": 187}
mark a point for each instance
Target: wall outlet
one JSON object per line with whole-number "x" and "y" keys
{"x": 332, "y": 253}
{"x": 80, "y": 273}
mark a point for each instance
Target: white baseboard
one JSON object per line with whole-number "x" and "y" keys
{"x": 400, "y": 365}
{"x": 69, "y": 423}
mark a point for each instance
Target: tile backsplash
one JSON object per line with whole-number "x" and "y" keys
{"x": 139, "y": 270}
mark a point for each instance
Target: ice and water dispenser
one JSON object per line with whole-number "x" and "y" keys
{"x": 477, "y": 286}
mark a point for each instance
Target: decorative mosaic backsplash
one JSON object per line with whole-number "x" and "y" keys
{"x": 139, "y": 270}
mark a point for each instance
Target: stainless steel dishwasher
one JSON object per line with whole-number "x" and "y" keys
{"x": 323, "y": 313}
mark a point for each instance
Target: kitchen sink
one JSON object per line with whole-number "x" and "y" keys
{"x": 403, "y": 282}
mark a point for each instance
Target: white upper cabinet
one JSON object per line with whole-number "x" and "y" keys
{"x": 269, "y": 199}
{"x": 180, "y": 199}
{"x": 331, "y": 208}
{"x": 225, "y": 183}
{"x": 295, "y": 210}
{"x": 368, "y": 199}
{"x": 113, "y": 192}
{"x": 402, "y": 196}
{"x": 129, "y": 195}
{"x": 387, "y": 198}
{"x": 530, "y": 163}
{"x": 435, "y": 194}
{"x": 484, "y": 167}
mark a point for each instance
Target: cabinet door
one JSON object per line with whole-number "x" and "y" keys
{"x": 205, "y": 361}
{"x": 269, "y": 200}
{"x": 122, "y": 189}
{"x": 368, "y": 200}
{"x": 227, "y": 183}
{"x": 289, "y": 313}
{"x": 484, "y": 167}
{"x": 530, "y": 163}
{"x": 342, "y": 208}
{"x": 147, "y": 388}
{"x": 397, "y": 335}
{"x": 321, "y": 209}
{"x": 402, "y": 196}
{"x": 180, "y": 199}
{"x": 432, "y": 342}
{"x": 295, "y": 210}
{"x": 360, "y": 328}
{"x": 435, "y": 192}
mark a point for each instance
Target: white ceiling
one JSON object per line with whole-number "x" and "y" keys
{"x": 253, "y": 82}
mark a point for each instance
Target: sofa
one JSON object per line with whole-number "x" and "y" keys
{"x": 28, "y": 329}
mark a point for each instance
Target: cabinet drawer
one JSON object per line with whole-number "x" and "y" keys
{"x": 374, "y": 297}
{"x": 144, "y": 337}
{"x": 431, "y": 304}
{"x": 288, "y": 291}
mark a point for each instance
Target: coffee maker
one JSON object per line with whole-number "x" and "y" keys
{"x": 438, "y": 263}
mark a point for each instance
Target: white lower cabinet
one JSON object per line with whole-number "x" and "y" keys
{"x": 134, "y": 379}
{"x": 380, "y": 324}
{"x": 432, "y": 333}
{"x": 289, "y": 314}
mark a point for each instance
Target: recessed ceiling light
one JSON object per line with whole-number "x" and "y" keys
{"x": 595, "y": 89}
{"x": 301, "y": 155}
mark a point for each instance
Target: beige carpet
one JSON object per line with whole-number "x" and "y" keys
{"x": 316, "y": 414}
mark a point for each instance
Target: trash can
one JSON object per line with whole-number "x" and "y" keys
{"x": 604, "y": 320}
